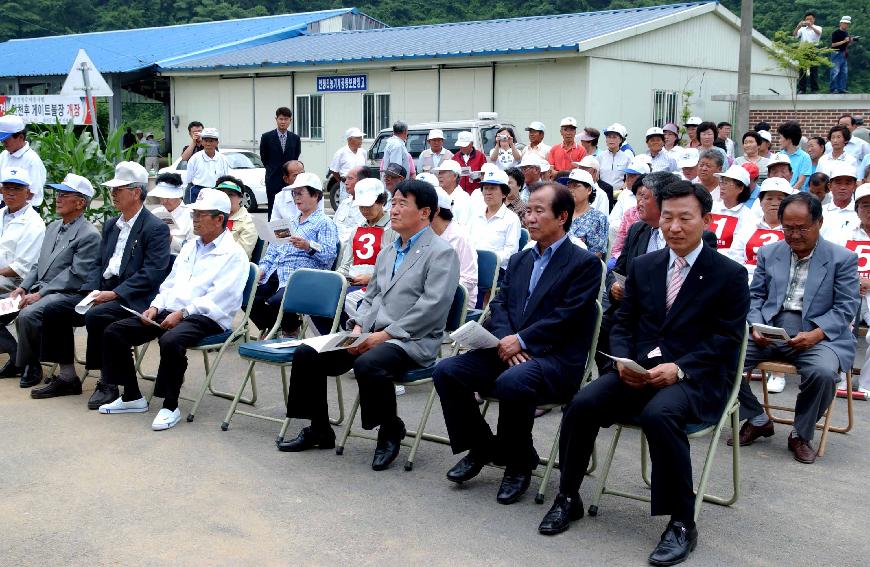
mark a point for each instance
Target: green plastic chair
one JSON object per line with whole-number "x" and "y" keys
{"x": 731, "y": 413}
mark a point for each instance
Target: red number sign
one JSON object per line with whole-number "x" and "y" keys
{"x": 862, "y": 249}
{"x": 723, "y": 226}
{"x": 367, "y": 244}
{"x": 760, "y": 238}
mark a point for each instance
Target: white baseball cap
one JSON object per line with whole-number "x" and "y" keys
{"x": 18, "y": 175}
{"x": 590, "y": 161}
{"x": 531, "y": 159}
{"x": 127, "y": 172}
{"x": 846, "y": 20}
{"x": 354, "y": 133}
{"x": 568, "y": 121}
{"x": 861, "y": 192}
{"x": 308, "y": 179}
{"x": 689, "y": 158}
{"x": 167, "y": 191}
{"x": 577, "y": 175}
{"x": 765, "y": 135}
{"x": 435, "y": 134}
{"x": 693, "y": 121}
{"x": 655, "y": 132}
{"x": 449, "y": 165}
{"x": 428, "y": 178}
{"x": 737, "y": 173}
{"x": 366, "y": 192}
{"x": 465, "y": 138}
{"x": 618, "y": 129}
{"x": 638, "y": 167}
{"x": 495, "y": 177}
{"x": 779, "y": 158}
{"x": 535, "y": 125}
{"x": 776, "y": 184}
{"x": 10, "y": 124}
{"x": 211, "y": 133}
{"x": 73, "y": 183}
{"x": 211, "y": 200}
{"x": 841, "y": 169}
{"x": 644, "y": 158}
{"x": 444, "y": 200}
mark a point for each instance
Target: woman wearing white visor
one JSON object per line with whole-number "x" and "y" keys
{"x": 172, "y": 210}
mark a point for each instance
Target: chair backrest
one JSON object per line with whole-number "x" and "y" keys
{"x": 738, "y": 376}
{"x": 593, "y": 344}
{"x": 487, "y": 270}
{"x": 250, "y": 287}
{"x": 317, "y": 293}
{"x": 603, "y": 285}
{"x": 524, "y": 238}
{"x": 339, "y": 248}
{"x": 257, "y": 252}
{"x": 458, "y": 309}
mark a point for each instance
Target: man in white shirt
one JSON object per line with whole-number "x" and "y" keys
{"x": 199, "y": 298}
{"x": 536, "y": 145}
{"x": 532, "y": 167}
{"x": 347, "y": 157}
{"x": 841, "y": 210}
{"x": 661, "y": 159}
{"x": 855, "y": 146}
{"x": 614, "y": 160}
{"x": 206, "y": 166}
{"x": 21, "y": 229}
{"x": 347, "y": 216}
{"x": 20, "y": 155}
{"x": 448, "y": 173}
{"x": 808, "y": 32}
{"x": 436, "y": 154}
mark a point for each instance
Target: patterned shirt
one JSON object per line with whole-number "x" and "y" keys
{"x": 797, "y": 282}
{"x": 591, "y": 228}
{"x": 284, "y": 259}
{"x": 519, "y": 207}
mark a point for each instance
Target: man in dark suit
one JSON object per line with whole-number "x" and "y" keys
{"x": 682, "y": 318}
{"x": 277, "y": 147}
{"x": 542, "y": 315}
{"x": 134, "y": 255}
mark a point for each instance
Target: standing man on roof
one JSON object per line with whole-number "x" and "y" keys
{"x": 277, "y": 147}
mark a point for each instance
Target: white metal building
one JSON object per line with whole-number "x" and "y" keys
{"x": 631, "y": 66}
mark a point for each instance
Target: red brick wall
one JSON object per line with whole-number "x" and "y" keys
{"x": 813, "y": 122}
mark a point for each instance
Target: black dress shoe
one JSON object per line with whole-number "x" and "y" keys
{"x": 104, "y": 394}
{"x": 676, "y": 544}
{"x": 32, "y": 375}
{"x": 57, "y": 387}
{"x": 308, "y": 439}
{"x": 10, "y": 370}
{"x": 469, "y": 467}
{"x": 388, "y": 447}
{"x": 513, "y": 485}
{"x": 565, "y": 510}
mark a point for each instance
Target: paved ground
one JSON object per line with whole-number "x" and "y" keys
{"x": 80, "y": 488}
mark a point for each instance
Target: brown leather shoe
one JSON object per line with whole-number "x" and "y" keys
{"x": 749, "y": 433}
{"x": 803, "y": 451}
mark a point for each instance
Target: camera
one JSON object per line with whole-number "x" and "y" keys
{"x": 503, "y": 138}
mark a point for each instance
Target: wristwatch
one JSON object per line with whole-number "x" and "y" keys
{"x": 185, "y": 314}
{"x": 680, "y": 374}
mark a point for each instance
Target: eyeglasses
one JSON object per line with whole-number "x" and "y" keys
{"x": 202, "y": 214}
{"x": 803, "y": 230}
{"x": 297, "y": 192}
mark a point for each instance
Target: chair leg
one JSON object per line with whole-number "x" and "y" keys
{"x": 551, "y": 462}
{"x": 608, "y": 460}
{"x": 644, "y": 460}
{"x": 421, "y": 428}
{"x": 210, "y": 370}
{"x": 248, "y": 376}
{"x": 700, "y": 493}
{"x": 338, "y": 390}
{"x": 283, "y": 431}
{"x": 139, "y": 356}
{"x": 848, "y": 426}
{"x": 284, "y": 389}
{"x": 339, "y": 448}
{"x": 826, "y": 426}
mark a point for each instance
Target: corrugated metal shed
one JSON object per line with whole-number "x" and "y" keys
{"x": 562, "y": 32}
{"x": 123, "y": 51}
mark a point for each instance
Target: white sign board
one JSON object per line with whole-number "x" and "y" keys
{"x": 75, "y": 80}
{"x": 48, "y": 109}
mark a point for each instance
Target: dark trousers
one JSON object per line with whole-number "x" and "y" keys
{"x": 8, "y": 344}
{"x": 267, "y": 306}
{"x": 59, "y": 321}
{"x": 663, "y": 415}
{"x": 375, "y": 372}
{"x": 813, "y": 75}
{"x": 519, "y": 390}
{"x": 270, "y": 198}
{"x": 121, "y": 336}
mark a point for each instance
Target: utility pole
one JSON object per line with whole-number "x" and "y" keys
{"x": 744, "y": 67}
{"x": 88, "y": 99}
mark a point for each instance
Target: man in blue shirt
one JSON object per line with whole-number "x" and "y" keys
{"x": 395, "y": 150}
{"x": 801, "y": 162}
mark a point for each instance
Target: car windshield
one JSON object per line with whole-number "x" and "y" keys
{"x": 243, "y": 160}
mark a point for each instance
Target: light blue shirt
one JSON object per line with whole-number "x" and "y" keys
{"x": 801, "y": 164}
{"x": 395, "y": 151}
{"x": 540, "y": 264}
{"x": 402, "y": 252}
{"x": 862, "y": 168}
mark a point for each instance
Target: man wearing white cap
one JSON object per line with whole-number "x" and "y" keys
{"x": 840, "y": 212}
{"x": 206, "y": 166}
{"x": 454, "y": 233}
{"x": 692, "y": 124}
{"x": 840, "y": 42}
{"x": 470, "y": 161}
{"x": 172, "y": 209}
{"x": 199, "y": 298}
{"x": 347, "y": 216}
{"x": 688, "y": 164}
{"x": 532, "y": 167}
{"x": 347, "y": 157}
{"x": 536, "y": 143}
{"x": 21, "y": 229}
{"x": 661, "y": 159}
{"x": 436, "y": 153}
{"x": 563, "y": 156}
{"x": 627, "y": 199}
{"x": 71, "y": 246}
{"x": 448, "y": 174}
{"x": 134, "y": 257}
{"x": 20, "y": 155}
{"x": 614, "y": 160}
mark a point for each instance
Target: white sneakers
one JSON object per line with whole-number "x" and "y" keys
{"x": 120, "y": 406}
{"x": 400, "y": 390}
{"x": 775, "y": 382}
{"x": 166, "y": 419}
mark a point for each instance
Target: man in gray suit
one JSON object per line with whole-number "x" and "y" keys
{"x": 809, "y": 287}
{"x": 405, "y": 310}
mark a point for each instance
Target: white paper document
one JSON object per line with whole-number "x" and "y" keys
{"x": 277, "y": 231}
{"x": 137, "y": 314}
{"x": 472, "y": 335}
{"x": 628, "y": 363}
{"x": 324, "y": 343}
{"x": 773, "y": 334}
{"x": 167, "y": 219}
{"x": 9, "y": 305}
{"x": 85, "y": 304}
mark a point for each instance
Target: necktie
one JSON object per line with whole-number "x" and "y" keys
{"x": 283, "y": 138}
{"x": 59, "y": 236}
{"x": 676, "y": 281}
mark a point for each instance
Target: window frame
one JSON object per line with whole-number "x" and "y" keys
{"x": 305, "y": 125}
{"x": 379, "y": 119}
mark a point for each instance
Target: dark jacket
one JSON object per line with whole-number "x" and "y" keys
{"x": 273, "y": 158}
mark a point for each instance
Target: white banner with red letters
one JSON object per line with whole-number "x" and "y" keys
{"x": 48, "y": 109}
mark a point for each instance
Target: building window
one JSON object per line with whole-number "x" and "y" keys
{"x": 665, "y": 107}
{"x": 309, "y": 116}
{"x": 376, "y": 113}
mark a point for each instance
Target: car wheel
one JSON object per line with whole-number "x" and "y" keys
{"x": 334, "y": 187}
{"x": 248, "y": 199}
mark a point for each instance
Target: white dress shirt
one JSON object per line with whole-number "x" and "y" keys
{"x": 204, "y": 171}
{"x": 542, "y": 150}
{"x": 463, "y": 205}
{"x": 26, "y": 158}
{"x": 114, "y": 267}
{"x": 613, "y": 167}
{"x": 828, "y": 160}
{"x": 745, "y": 217}
{"x": 835, "y": 218}
{"x": 206, "y": 280}
{"x": 183, "y": 229}
{"x": 345, "y": 159}
{"x": 21, "y": 239}
{"x": 457, "y": 236}
{"x": 601, "y": 201}
{"x": 500, "y": 233}
{"x": 625, "y": 201}
{"x": 346, "y": 218}
{"x": 856, "y": 147}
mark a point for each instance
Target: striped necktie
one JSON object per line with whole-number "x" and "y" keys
{"x": 676, "y": 281}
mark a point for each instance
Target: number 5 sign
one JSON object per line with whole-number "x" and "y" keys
{"x": 862, "y": 249}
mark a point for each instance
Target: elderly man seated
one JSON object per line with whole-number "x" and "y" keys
{"x": 809, "y": 287}
{"x": 199, "y": 298}
{"x": 313, "y": 244}
{"x": 405, "y": 309}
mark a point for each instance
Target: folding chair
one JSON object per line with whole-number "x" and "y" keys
{"x": 524, "y": 238}
{"x": 693, "y": 430}
{"x": 786, "y": 368}
{"x": 258, "y": 251}
{"x": 416, "y": 377}
{"x": 316, "y": 293}
{"x": 487, "y": 282}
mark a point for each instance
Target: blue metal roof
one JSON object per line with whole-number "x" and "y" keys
{"x": 123, "y": 51}
{"x": 515, "y": 35}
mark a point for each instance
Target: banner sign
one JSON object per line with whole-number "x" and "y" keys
{"x": 48, "y": 109}
{"x": 342, "y": 83}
